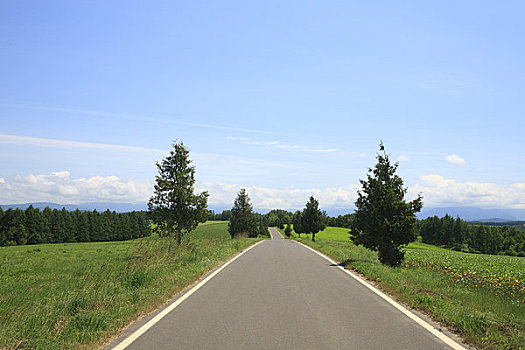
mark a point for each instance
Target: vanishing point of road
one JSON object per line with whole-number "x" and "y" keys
{"x": 281, "y": 295}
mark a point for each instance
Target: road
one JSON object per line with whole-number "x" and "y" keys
{"x": 281, "y": 295}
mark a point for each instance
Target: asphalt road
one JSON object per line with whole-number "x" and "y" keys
{"x": 281, "y": 295}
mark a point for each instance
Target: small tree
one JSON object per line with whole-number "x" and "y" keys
{"x": 297, "y": 223}
{"x": 173, "y": 206}
{"x": 242, "y": 220}
{"x": 383, "y": 221}
{"x": 312, "y": 218}
{"x": 288, "y": 230}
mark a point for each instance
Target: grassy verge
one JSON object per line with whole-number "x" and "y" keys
{"x": 79, "y": 295}
{"x": 480, "y": 297}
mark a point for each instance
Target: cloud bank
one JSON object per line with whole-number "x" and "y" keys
{"x": 61, "y": 187}
{"x": 439, "y": 191}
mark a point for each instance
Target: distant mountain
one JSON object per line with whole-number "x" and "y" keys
{"x": 103, "y": 206}
{"x": 42, "y": 205}
{"x": 475, "y": 214}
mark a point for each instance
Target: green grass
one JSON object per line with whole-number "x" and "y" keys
{"x": 329, "y": 233}
{"x": 79, "y": 295}
{"x": 478, "y": 296}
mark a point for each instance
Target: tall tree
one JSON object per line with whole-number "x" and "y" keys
{"x": 312, "y": 218}
{"x": 174, "y": 207}
{"x": 383, "y": 221}
{"x": 34, "y": 225}
{"x": 242, "y": 220}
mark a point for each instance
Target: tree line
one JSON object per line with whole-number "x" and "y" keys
{"x": 280, "y": 218}
{"x": 462, "y": 236}
{"x": 32, "y": 226}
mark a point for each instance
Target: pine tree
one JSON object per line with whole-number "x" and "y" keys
{"x": 82, "y": 226}
{"x": 47, "y": 219}
{"x": 242, "y": 220}
{"x": 34, "y": 225}
{"x": 297, "y": 223}
{"x": 312, "y": 219}
{"x": 174, "y": 206}
{"x": 383, "y": 221}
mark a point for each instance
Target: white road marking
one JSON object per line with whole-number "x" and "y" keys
{"x": 126, "y": 342}
{"x": 394, "y": 303}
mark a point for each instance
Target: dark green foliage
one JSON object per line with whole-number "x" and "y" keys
{"x": 474, "y": 238}
{"x": 288, "y": 230}
{"x": 297, "y": 223}
{"x": 32, "y": 226}
{"x": 243, "y": 221}
{"x": 383, "y": 221}
{"x": 312, "y": 219}
{"x": 174, "y": 207}
{"x": 339, "y": 221}
{"x": 224, "y": 216}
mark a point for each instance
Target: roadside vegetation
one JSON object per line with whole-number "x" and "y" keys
{"x": 79, "y": 295}
{"x": 481, "y": 297}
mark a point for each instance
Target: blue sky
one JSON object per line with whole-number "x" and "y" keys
{"x": 285, "y": 99}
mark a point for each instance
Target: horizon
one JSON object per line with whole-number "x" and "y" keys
{"x": 471, "y": 214}
{"x": 285, "y": 103}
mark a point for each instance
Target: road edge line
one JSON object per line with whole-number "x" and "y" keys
{"x": 144, "y": 328}
{"x": 447, "y": 340}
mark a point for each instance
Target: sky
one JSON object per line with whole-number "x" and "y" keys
{"x": 286, "y": 99}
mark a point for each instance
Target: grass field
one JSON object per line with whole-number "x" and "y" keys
{"x": 78, "y": 295}
{"x": 480, "y": 296}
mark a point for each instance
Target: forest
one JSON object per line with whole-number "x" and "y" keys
{"x": 32, "y": 226}
{"x": 473, "y": 238}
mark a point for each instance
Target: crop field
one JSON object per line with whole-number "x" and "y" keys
{"x": 79, "y": 295}
{"x": 502, "y": 275}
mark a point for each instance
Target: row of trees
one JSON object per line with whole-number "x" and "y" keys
{"x": 175, "y": 209}
{"x": 460, "y": 235}
{"x": 32, "y": 226}
{"x": 280, "y": 218}
{"x": 310, "y": 219}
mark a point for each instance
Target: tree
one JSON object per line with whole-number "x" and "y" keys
{"x": 288, "y": 230}
{"x": 242, "y": 220}
{"x": 312, "y": 219}
{"x": 383, "y": 221}
{"x": 174, "y": 206}
{"x": 297, "y": 223}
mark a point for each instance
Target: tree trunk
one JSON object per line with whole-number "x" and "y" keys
{"x": 179, "y": 233}
{"x": 313, "y": 237}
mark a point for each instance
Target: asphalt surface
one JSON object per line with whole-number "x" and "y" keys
{"x": 280, "y": 295}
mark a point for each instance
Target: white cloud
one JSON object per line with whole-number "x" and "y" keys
{"x": 439, "y": 191}
{"x": 403, "y": 158}
{"x": 54, "y": 143}
{"x": 60, "y": 187}
{"x": 302, "y": 148}
{"x": 142, "y": 118}
{"x": 222, "y": 194}
{"x": 455, "y": 159}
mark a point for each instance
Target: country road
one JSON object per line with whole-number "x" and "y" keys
{"x": 281, "y": 295}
